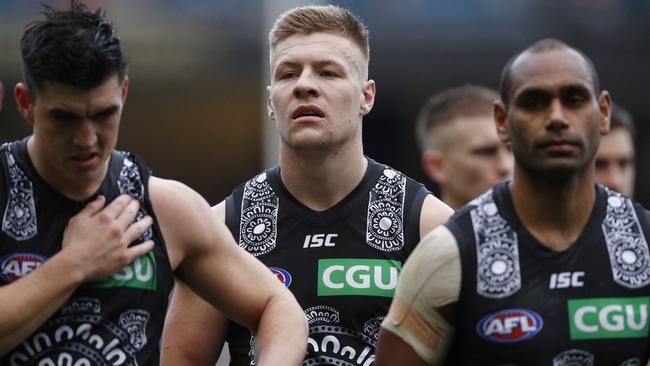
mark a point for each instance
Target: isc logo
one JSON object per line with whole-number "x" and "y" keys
{"x": 319, "y": 240}
{"x": 566, "y": 280}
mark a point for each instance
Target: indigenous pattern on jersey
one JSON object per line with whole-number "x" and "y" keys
{"x": 116, "y": 321}
{"x": 523, "y": 304}
{"x": 342, "y": 264}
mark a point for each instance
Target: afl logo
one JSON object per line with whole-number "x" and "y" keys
{"x": 282, "y": 275}
{"x": 16, "y": 265}
{"x": 509, "y": 326}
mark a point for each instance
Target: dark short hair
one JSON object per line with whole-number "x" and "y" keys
{"x": 444, "y": 107}
{"x": 544, "y": 45}
{"x": 622, "y": 119}
{"x": 76, "y": 47}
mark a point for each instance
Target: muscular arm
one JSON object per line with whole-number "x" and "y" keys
{"x": 195, "y": 331}
{"x": 210, "y": 262}
{"x": 414, "y": 332}
{"x": 95, "y": 245}
{"x": 434, "y": 213}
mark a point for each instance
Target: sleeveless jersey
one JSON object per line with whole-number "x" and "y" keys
{"x": 116, "y": 321}
{"x": 342, "y": 264}
{"x": 524, "y": 304}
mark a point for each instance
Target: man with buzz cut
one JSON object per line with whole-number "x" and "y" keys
{"x": 90, "y": 241}
{"x": 460, "y": 149}
{"x": 616, "y": 156}
{"x": 334, "y": 225}
{"x": 547, "y": 269}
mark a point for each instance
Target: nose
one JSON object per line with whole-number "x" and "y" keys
{"x": 556, "y": 118}
{"x": 306, "y": 85}
{"x": 85, "y": 135}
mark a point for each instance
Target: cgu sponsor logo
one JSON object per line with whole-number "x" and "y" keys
{"x": 17, "y": 265}
{"x": 282, "y": 274}
{"x": 319, "y": 240}
{"x": 606, "y": 318}
{"x": 509, "y": 326}
{"x": 365, "y": 277}
{"x": 141, "y": 273}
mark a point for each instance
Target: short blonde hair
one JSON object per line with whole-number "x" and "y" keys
{"x": 443, "y": 108}
{"x": 320, "y": 18}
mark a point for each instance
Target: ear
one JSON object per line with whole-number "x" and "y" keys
{"x": 269, "y": 106}
{"x": 605, "y": 106}
{"x": 434, "y": 166}
{"x": 125, "y": 89}
{"x": 368, "y": 92}
{"x": 24, "y": 102}
{"x": 501, "y": 121}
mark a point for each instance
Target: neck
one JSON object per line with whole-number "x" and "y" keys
{"x": 318, "y": 179}
{"x": 77, "y": 189}
{"x": 554, "y": 211}
{"x": 450, "y": 200}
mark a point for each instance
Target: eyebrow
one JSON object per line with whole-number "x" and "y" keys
{"x": 322, "y": 63}
{"x": 59, "y": 112}
{"x": 105, "y": 111}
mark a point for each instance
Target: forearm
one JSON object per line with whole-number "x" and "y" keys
{"x": 194, "y": 331}
{"x": 282, "y": 333}
{"x": 27, "y": 303}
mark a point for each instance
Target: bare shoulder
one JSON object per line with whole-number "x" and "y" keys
{"x": 219, "y": 210}
{"x": 167, "y": 193}
{"x": 432, "y": 272}
{"x": 434, "y": 213}
{"x": 183, "y": 215}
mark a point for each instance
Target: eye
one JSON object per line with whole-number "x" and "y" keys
{"x": 62, "y": 116}
{"x": 574, "y": 100}
{"x": 287, "y": 75}
{"x": 486, "y": 151}
{"x": 103, "y": 116}
{"x": 533, "y": 101}
{"x": 328, "y": 74}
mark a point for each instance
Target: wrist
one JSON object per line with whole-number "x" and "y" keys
{"x": 72, "y": 267}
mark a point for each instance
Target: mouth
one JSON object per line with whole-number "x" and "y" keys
{"x": 559, "y": 146}
{"x": 84, "y": 160}
{"x": 308, "y": 111}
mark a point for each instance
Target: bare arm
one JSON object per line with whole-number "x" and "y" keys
{"x": 210, "y": 262}
{"x": 392, "y": 350}
{"x": 434, "y": 213}
{"x": 95, "y": 245}
{"x": 195, "y": 331}
{"x": 416, "y": 327}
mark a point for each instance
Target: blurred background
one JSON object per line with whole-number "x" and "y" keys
{"x": 198, "y": 70}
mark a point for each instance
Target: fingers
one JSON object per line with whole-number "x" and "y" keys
{"x": 120, "y": 204}
{"x": 139, "y": 250}
{"x": 136, "y": 229}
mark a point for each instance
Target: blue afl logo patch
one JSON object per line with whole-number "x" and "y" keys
{"x": 509, "y": 326}
{"x": 16, "y": 265}
{"x": 282, "y": 274}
